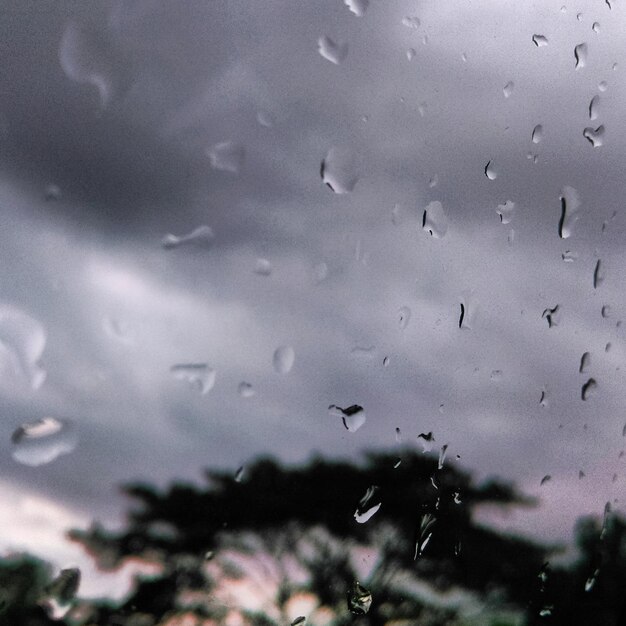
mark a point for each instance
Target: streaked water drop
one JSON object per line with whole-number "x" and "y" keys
{"x": 239, "y": 474}
{"x": 506, "y": 211}
{"x": 442, "y": 456}
{"x": 199, "y": 376}
{"x": 358, "y": 7}
{"x": 603, "y": 85}
{"x": 507, "y": 90}
{"x": 570, "y": 203}
{"x": 591, "y": 581}
{"x": 359, "y": 599}
{"x": 608, "y": 346}
{"x": 352, "y": 417}
{"x": 246, "y": 390}
{"x": 588, "y": 389}
{"x": 598, "y": 276}
{"x": 540, "y": 40}
{"x": 368, "y": 505}
{"x": 468, "y": 308}
{"x": 42, "y": 441}
{"x": 594, "y": 105}
{"x": 490, "y": 171}
{"x": 226, "y": 156}
{"x": 543, "y": 398}
{"x": 595, "y": 27}
{"x": 410, "y": 54}
{"x": 585, "y": 363}
{"x": 332, "y": 51}
{"x": 545, "y": 479}
{"x": 537, "y": 134}
{"x": 552, "y": 316}
{"x": 398, "y": 436}
{"x": 435, "y": 220}
{"x": 202, "y": 236}
{"x": 263, "y": 267}
{"x": 595, "y": 136}
{"x": 403, "y": 316}
{"x": 423, "y": 533}
{"x": 386, "y": 361}
{"x": 338, "y": 170}
{"x": 580, "y": 54}
{"x": 283, "y": 359}
{"x": 411, "y": 21}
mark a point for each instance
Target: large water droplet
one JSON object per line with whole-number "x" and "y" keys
{"x": 22, "y": 341}
{"x": 435, "y": 220}
{"x": 332, "y": 51}
{"x": 594, "y": 105}
{"x": 226, "y": 156}
{"x": 338, "y": 170}
{"x": 507, "y": 90}
{"x": 246, "y": 390}
{"x": 580, "y": 54}
{"x": 540, "y": 40}
{"x": 199, "y": 375}
{"x": 588, "y": 389}
{"x": 585, "y": 363}
{"x": 353, "y": 417}
{"x": 358, "y": 7}
{"x": 505, "y": 211}
{"x": 595, "y": 27}
{"x": 283, "y": 359}
{"x": 570, "y": 203}
{"x": 537, "y": 135}
{"x": 490, "y": 171}
{"x": 359, "y": 599}
{"x": 595, "y": 136}
{"x": 202, "y": 236}
{"x": 404, "y": 315}
{"x": 603, "y": 85}
{"x": 42, "y": 441}
{"x": 368, "y": 505}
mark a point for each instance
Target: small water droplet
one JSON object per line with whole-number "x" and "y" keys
{"x": 386, "y": 361}
{"x": 579, "y": 17}
{"x": 603, "y": 85}
{"x": 42, "y": 441}
{"x": 546, "y": 611}
{"x": 368, "y": 505}
{"x": 552, "y": 316}
{"x": 464, "y": 57}
{"x": 537, "y": 134}
{"x": 202, "y": 237}
{"x": 594, "y": 105}
{"x": 581, "y": 475}
{"x": 433, "y": 182}
{"x": 359, "y": 599}
{"x": 588, "y": 389}
{"x": 403, "y": 316}
{"x": 332, "y": 51}
{"x": 338, "y": 170}
{"x": 52, "y": 193}
{"x": 411, "y": 21}
{"x": 490, "y": 171}
{"x": 410, "y": 54}
{"x": 263, "y": 267}
{"x": 605, "y": 311}
{"x": 540, "y": 40}
{"x": 435, "y": 220}
{"x": 496, "y": 375}
{"x": 199, "y": 375}
{"x": 442, "y": 456}
{"x": 608, "y": 347}
{"x": 226, "y": 156}
{"x": 320, "y": 272}
{"x": 299, "y": 621}
{"x": 507, "y": 90}
{"x": 353, "y": 417}
{"x": 595, "y": 27}
{"x": 457, "y": 497}
{"x": 570, "y": 203}
{"x": 545, "y": 479}
{"x": 595, "y": 136}
{"x": 246, "y": 390}
{"x": 505, "y": 211}
{"x": 511, "y": 237}
{"x": 585, "y": 363}
{"x": 358, "y": 7}
{"x": 283, "y": 359}
{"x": 421, "y": 108}
{"x": 598, "y": 276}
{"x": 468, "y": 307}
{"x": 543, "y": 398}
{"x": 580, "y": 54}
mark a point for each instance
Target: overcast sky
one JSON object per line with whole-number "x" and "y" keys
{"x": 121, "y": 104}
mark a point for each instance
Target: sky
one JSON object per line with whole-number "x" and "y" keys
{"x": 124, "y": 122}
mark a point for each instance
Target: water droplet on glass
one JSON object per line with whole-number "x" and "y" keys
{"x": 435, "y": 220}
{"x": 265, "y": 119}
{"x": 507, "y": 90}
{"x": 22, "y": 342}
{"x": 52, "y": 193}
{"x": 283, "y": 359}
{"x": 594, "y": 105}
{"x": 198, "y": 375}
{"x": 595, "y": 136}
{"x": 568, "y": 256}
{"x": 60, "y": 593}
{"x": 321, "y": 272}
{"x": 608, "y": 4}
{"x": 605, "y": 311}
{"x": 543, "y": 398}
{"x": 546, "y": 611}
{"x": 595, "y": 27}
{"x": 421, "y": 108}
{"x": 332, "y": 51}
{"x": 202, "y": 237}
{"x": 386, "y": 361}
{"x": 490, "y": 171}
{"x": 246, "y": 390}
{"x": 608, "y": 347}
{"x": 570, "y": 203}
{"x": 580, "y": 54}
{"x": 496, "y": 375}
{"x": 359, "y": 599}
{"x": 398, "y": 436}
{"x": 552, "y": 316}
{"x": 588, "y": 389}
{"x": 505, "y": 211}
{"x": 239, "y": 474}
{"x": 263, "y": 267}
{"x": 353, "y": 417}
{"x": 537, "y": 134}
{"x": 464, "y": 57}
{"x": 442, "y": 456}
{"x": 598, "y": 277}
{"x": 368, "y": 505}
{"x": 299, "y": 621}
{"x": 403, "y": 316}
{"x": 540, "y": 40}
{"x": 410, "y": 54}
{"x": 338, "y": 170}
{"x": 591, "y": 581}
{"x": 603, "y": 85}
{"x": 467, "y": 313}
{"x": 226, "y": 156}
{"x": 457, "y": 497}
{"x": 545, "y": 479}
{"x": 434, "y": 180}
{"x": 585, "y": 363}
{"x": 411, "y": 21}
{"x": 42, "y": 441}
{"x": 358, "y": 7}
{"x": 423, "y": 534}
{"x": 581, "y": 475}
{"x": 579, "y": 17}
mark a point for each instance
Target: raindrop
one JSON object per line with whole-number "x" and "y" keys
{"x": 239, "y": 474}
{"x": 490, "y": 171}
{"x": 403, "y": 316}
{"x": 246, "y": 390}
{"x": 585, "y": 363}
{"x": 386, "y": 361}
{"x": 338, "y": 170}
{"x": 411, "y": 21}
{"x": 442, "y": 456}
{"x": 353, "y": 417}
{"x": 568, "y": 256}
{"x": 22, "y": 342}
{"x": 546, "y": 611}
{"x": 263, "y": 267}
{"x": 332, "y": 51}
{"x": 543, "y": 398}
{"x": 433, "y": 182}
{"x": 299, "y": 621}
{"x": 368, "y": 505}
{"x": 608, "y": 4}
{"x": 598, "y": 277}
{"x": 545, "y": 479}
{"x": 507, "y": 90}
{"x": 208, "y": 556}
{"x": 52, "y": 193}
{"x": 603, "y": 85}
{"x": 397, "y": 463}
{"x": 505, "y": 211}
{"x": 265, "y": 119}
{"x": 423, "y": 534}
{"x": 496, "y": 375}
{"x": 426, "y": 436}
{"x": 605, "y": 311}
{"x": 226, "y": 156}
{"x": 421, "y": 108}
{"x": 359, "y": 599}
{"x": 588, "y": 389}
{"x": 624, "y": 431}
{"x": 358, "y": 7}
{"x": 320, "y": 272}
{"x": 580, "y": 54}
{"x": 410, "y": 54}
{"x": 579, "y": 17}
{"x": 42, "y": 441}
{"x": 467, "y": 313}
{"x": 570, "y": 204}
{"x": 457, "y": 497}
{"x": 198, "y": 375}
{"x": 60, "y": 593}
{"x": 594, "y": 136}
{"x": 540, "y": 40}
{"x": 591, "y": 581}
{"x": 608, "y": 346}
{"x": 283, "y": 359}
{"x": 435, "y": 220}
{"x": 593, "y": 107}
{"x": 537, "y": 135}
{"x": 581, "y": 475}
{"x": 464, "y": 57}
{"x": 595, "y": 27}
{"x": 202, "y": 237}
{"x": 552, "y": 316}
